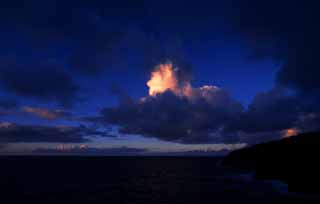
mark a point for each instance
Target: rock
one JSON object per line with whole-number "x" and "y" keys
{"x": 294, "y": 160}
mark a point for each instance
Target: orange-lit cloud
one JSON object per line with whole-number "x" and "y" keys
{"x": 290, "y": 132}
{"x": 5, "y": 125}
{"x": 43, "y": 113}
{"x": 164, "y": 78}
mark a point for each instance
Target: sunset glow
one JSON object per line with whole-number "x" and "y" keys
{"x": 290, "y": 132}
{"x": 163, "y": 78}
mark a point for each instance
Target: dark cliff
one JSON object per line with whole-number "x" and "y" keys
{"x": 294, "y": 160}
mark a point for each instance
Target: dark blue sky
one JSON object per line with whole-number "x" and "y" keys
{"x": 75, "y": 74}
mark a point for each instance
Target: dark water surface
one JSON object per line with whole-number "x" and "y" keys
{"x": 130, "y": 180}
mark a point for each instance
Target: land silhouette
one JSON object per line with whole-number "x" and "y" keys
{"x": 293, "y": 160}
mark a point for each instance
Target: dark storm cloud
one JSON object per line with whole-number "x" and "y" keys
{"x": 10, "y": 133}
{"x": 122, "y": 95}
{"x": 175, "y": 118}
{"x": 288, "y": 32}
{"x": 77, "y": 37}
{"x": 92, "y": 36}
{"x": 212, "y": 116}
{"x": 87, "y": 32}
{"x": 44, "y": 81}
{"x": 270, "y": 111}
{"x": 72, "y": 19}
{"x": 87, "y": 38}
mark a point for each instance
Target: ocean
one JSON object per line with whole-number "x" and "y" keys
{"x": 130, "y": 180}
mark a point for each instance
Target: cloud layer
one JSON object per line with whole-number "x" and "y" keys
{"x": 208, "y": 114}
{"x": 46, "y": 113}
{"x": 11, "y": 133}
{"x": 85, "y": 150}
{"x": 286, "y": 31}
{"x": 176, "y": 112}
{"x": 42, "y": 81}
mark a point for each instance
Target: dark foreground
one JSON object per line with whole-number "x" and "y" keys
{"x": 130, "y": 180}
{"x": 293, "y": 160}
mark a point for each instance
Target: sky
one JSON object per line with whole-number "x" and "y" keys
{"x": 156, "y": 77}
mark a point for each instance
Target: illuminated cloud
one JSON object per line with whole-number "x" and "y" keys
{"x": 163, "y": 78}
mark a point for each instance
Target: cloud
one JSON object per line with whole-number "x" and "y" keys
{"x": 5, "y": 124}
{"x": 178, "y": 112}
{"x": 309, "y": 122}
{"x": 92, "y": 37}
{"x": 270, "y": 111}
{"x": 172, "y": 114}
{"x": 2, "y": 146}
{"x": 90, "y": 33}
{"x": 122, "y": 95}
{"x": 46, "y": 113}
{"x": 11, "y": 133}
{"x": 287, "y": 32}
{"x": 3, "y": 113}
{"x": 86, "y": 150}
{"x": 100, "y": 53}
{"x": 273, "y": 114}
{"x": 175, "y": 118}
{"x": 42, "y": 81}
{"x": 52, "y": 49}
{"x": 7, "y": 106}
